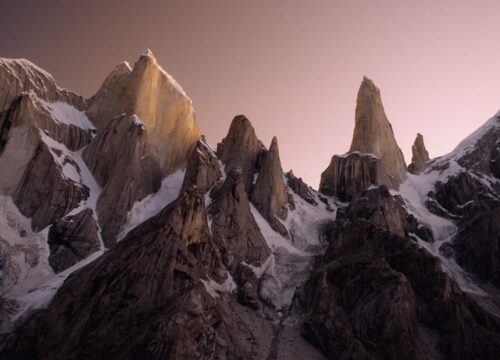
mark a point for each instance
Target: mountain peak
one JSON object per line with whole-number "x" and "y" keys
{"x": 241, "y": 148}
{"x": 373, "y": 132}
{"x": 148, "y": 53}
{"x": 420, "y": 156}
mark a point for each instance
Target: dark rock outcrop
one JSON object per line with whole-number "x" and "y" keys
{"x": 372, "y": 298}
{"x": 71, "y": 239}
{"x": 202, "y": 169}
{"x": 349, "y": 174}
{"x": 234, "y": 229}
{"x": 48, "y": 200}
{"x": 477, "y": 244}
{"x": 126, "y": 166}
{"x": 269, "y": 193}
{"x": 300, "y": 188}
{"x": 420, "y": 156}
{"x": 241, "y": 148}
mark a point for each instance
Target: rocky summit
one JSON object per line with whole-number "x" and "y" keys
{"x": 124, "y": 235}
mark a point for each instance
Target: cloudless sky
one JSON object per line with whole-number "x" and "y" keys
{"x": 293, "y": 67}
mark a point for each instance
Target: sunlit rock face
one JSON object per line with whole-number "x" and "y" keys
{"x": 152, "y": 94}
{"x": 374, "y": 157}
{"x": 108, "y": 102}
{"x": 373, "y": 133}
{"x": 420, "y": 156}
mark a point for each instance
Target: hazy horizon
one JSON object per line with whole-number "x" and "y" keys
{"x": 293, "y": 68}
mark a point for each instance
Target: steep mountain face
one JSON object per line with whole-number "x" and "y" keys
{"x": 374, "y": 157}
{"x": 373, "y": 133}
{"x": 157, "y": 99}
{"x": 126, "y": 166}
{"x": 122, "y": 238}
{"x": 241, "y": 148}
{"x": 269, "y": 192}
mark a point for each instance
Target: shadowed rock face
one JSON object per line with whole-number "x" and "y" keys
{"x": 35, "y": 178}
{"x": 144, "y": 300}
{"x": 21, "y": 129}
{"x": 477, "y": 245}
{"x": 300, "y": 188}
{"x": 420, "y": 156}
{"x": 348, "y": 175}
{"x": 269, "y": 194}
{"x": 126, "y": 166}
{"x": 156, "y": 98}
{"x": 372, "y": 297}
{"x": 373, "y": 133}
{"x": 241, "y": 148}
{"x": 72, "y": 239}
{"x": 202, "y": 170}
{"x": 233, "y": 226}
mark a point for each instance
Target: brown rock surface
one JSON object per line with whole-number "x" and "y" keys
{"x": 202, "y": 169}
{"x": 269, "y": 194}
{"x": 235, "y": 231}
{"x": 349, "y": 174}
{"x": 299, "y": 187}
{"x": 126, "y": 166}
{"x": 420, "y": 156}
{"x": 108, "y": 102}
{"x": 373, "y": 297}
{"x": 241, "y": 148}
{"x": 29, "y": 158}
{"x": 373, "y": 133}
{"x": 71, "y": 239}
{"x": 158, "y": 100}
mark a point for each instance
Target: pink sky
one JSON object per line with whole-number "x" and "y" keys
{"x": 293, "y": 67}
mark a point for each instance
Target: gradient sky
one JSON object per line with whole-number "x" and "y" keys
{"x": 293, "y": 67}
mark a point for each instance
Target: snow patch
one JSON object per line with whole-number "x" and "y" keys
{"x": 63, "y": 113}
{"x": 414, "y": 191}
{"x": 213, "y": 287}
{"x": 153, "y": 203}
